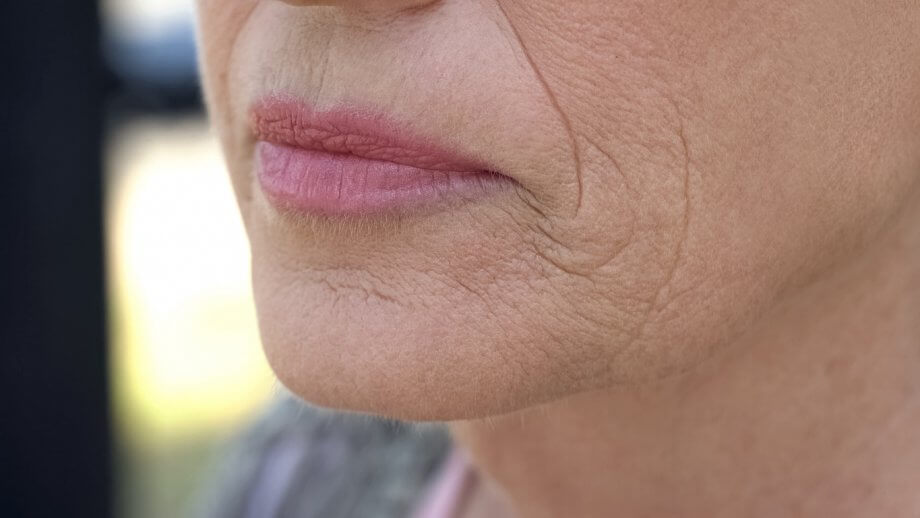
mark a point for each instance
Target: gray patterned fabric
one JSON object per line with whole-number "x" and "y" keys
{"x": 300, "y": 461}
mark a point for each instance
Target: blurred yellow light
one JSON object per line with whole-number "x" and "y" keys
{"x": 186, "y": 357}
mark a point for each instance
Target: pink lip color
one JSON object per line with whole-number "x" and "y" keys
{"x": 347, "y": 162}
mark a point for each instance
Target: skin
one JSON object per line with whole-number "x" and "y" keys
{"x": 701, "y": 297}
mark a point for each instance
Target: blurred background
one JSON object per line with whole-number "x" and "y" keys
{"x": 124, "y": 382}
{"x": 187, "y": 370}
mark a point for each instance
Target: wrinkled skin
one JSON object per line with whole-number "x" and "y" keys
{"x": 682, "y": 168}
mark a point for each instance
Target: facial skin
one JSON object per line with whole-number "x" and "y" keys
{"x": 682, "y": 169}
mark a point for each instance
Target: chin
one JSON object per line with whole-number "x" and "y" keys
{"x": 349, "y": 349}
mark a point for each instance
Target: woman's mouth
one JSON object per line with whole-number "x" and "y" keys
{"x": 350, "y": 162}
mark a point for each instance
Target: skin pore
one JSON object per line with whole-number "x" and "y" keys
{"x": 699, "y": 299}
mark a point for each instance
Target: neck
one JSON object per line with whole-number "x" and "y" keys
{"x": 813, "y": 413}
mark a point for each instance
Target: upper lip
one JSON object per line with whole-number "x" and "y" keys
{"x": 353, "y": 131}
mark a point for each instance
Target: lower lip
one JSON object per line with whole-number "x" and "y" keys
{"x": 339, "y": 184}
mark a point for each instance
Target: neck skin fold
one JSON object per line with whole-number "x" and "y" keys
{"x": 815, "y": 412}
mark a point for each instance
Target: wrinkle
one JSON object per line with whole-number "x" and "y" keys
{"x": 586, "y": 267}
{"x": 381, "y": 18}
{"x": 554, "y": 101}
{"x": 324, "y": 67}
{"x": 367, "y": 291}
{"x": 616, "y": 164}
{"x": 680, "y": 249}
{"x": 468, "y": 288}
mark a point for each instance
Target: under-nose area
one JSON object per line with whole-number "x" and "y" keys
{"x": 369, "y": 5}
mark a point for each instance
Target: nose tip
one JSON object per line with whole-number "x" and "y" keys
{"x": 364, "y": 4}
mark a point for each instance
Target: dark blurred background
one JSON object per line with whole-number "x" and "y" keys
{"x": 55, "y": 436}
{"x": 129, "y": 347}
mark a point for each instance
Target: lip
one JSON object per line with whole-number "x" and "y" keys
{"x": 353, "y": 162}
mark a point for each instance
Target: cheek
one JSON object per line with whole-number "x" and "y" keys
{"x": 621, "y": 257}
{"x": 720, "y": 170}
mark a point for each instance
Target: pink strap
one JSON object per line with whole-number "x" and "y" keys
{"x": 450, "y": 488}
